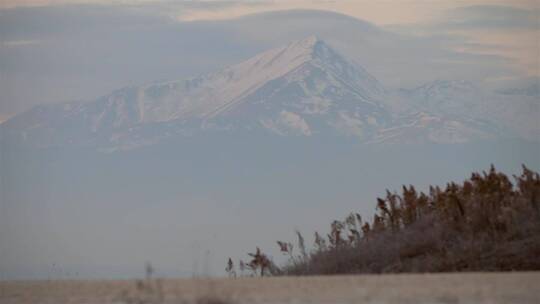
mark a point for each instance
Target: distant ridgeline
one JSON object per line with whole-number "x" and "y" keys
{"x": 487, "y": 223}
{"x": 303, "y": 89}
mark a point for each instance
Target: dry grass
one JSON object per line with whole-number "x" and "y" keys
{"x": 152, "y": 291}
{"x": 475, "y": 288}
{"x": 487, "y": 223}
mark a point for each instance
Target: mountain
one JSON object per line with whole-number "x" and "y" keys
{"x": 532, "y": 90}
{"x": 441, "y": 111}
{"x": 492, "y": 114}
{"x": 302, "y": 89}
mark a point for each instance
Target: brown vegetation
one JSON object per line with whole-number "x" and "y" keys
{"x": 484, "y": 224}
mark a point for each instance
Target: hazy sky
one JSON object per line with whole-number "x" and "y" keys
{"x": 84, "y": 215}
{"x": 59, "y": 50}
{"x": 380, "y": 12}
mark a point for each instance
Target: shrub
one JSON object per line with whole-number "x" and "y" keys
{"x": 485, "y": 223}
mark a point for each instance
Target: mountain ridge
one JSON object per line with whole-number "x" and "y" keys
{"x": 303, "y": 88}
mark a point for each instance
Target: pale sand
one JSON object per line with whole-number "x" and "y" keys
{"x": 512, "y": 288}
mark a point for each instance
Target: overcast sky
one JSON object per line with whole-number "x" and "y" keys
{"x": 60, "y": 50}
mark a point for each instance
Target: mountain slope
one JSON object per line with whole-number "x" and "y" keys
{"x": 304, "y": 89}
{"x": 441, "y": 111}
{"x": 502, "y": 115}
{"x": 272, "y": 91}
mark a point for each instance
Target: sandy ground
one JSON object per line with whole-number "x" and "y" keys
{"x": 512, "y": 288}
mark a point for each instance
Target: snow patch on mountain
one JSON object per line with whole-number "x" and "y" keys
{"x": 288, "y": 123}
{"x": 349, "y": 125}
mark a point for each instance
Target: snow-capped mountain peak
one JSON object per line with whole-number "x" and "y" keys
{"x": 304, "y": 88}
{"x": 210, "y": 95}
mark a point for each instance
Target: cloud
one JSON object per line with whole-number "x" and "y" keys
{"x": 222, "y": 10}
{"x": 505, "y": 31}
{"x": 378, "y": 12}
{"x": 10, "y": 4}
{"x": 508, "y": 30}
{"x": 491, "y": 17}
